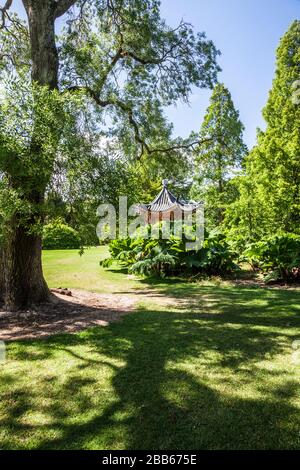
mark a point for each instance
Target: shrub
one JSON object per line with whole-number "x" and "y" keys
{"x": 216, "y": 256}
{"x": 57, "y": 235}
{"x": 277, "y": 257}
{"x": 169, "y": 257}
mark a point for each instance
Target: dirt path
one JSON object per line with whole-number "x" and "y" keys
{"x": 74, "y": 312}
{"x": 65, "y": 314}
{"x": 82, "y": 309}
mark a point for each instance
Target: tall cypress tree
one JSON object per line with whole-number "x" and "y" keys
{"x": 271, "y": 186}
{"x": 220, "y": 153}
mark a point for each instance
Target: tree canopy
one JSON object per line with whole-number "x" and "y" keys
{"x": 220, "y": 153}
{"x": 269, "y": 199}
{"x": 105, "y": 77}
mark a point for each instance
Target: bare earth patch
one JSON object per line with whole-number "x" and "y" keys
{"x": 257, "y": 282}
{"x": 65, "y": 314}
{"x": 72, "y": 311}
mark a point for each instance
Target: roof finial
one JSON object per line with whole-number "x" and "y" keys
{"x": 165, "y": 183}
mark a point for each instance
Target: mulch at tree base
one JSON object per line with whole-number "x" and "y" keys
{"x": 65, "y": 313}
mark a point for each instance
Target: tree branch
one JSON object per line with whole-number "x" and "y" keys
{"x": 62, "y": 7}
{"x": 182, "y": 146}
{"x": 121, "y": 105}
{"x": 3, "y": 11}
{"x": 149, "y": 60}
{"x": 110, "y": 67}
{"x": 129, "y": 111}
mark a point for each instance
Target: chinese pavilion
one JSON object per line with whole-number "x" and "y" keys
{"x": 166, "y": 206}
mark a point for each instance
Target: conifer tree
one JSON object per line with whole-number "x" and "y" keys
{"x": 219, "y": 155}
{"x": 271, "y": 185}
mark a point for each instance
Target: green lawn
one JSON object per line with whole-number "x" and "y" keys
{"x": 66, "y": 268}
{"x": 214, "y": 372}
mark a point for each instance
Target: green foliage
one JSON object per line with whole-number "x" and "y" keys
{"x": 35, "y": 124}
{"x": 158, "y": 65}
{"x": 37, "y": 133}
{"x": 58, "y": 235}
{"x": 269, "y": 189}
{"x": 216, "y": 256}
{"x": 220, "y": 154}
{"x": 278, "y": 257}
{"x": 161, "y": 257}
{"x": 120, "y": 64}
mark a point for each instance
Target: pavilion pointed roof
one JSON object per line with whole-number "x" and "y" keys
{"x": 165, "y": 201}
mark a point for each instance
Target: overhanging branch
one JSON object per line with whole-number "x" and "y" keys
{"x": 62, "y": 7}
{"x": 118, "y": 104}
{"x": 149, "y": 60}
{"x": 127, "y": 109}
{"x": 3, "y": 11}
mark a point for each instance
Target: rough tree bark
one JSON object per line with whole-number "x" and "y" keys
{"x": 21, "y": 275}
{"x": 24, "y": 283}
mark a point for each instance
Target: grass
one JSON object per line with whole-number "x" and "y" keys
{"x": 66, "y": 268}
{"x": 214, "y": 372}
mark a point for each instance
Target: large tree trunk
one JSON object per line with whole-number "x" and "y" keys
{"x": 41, "y": 19}
{"x": 23, "y": 283}
{"x": 2, "y": 281}
{"x": 21, "y": 276}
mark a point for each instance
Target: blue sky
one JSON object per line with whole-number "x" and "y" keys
{"x": 247, "y": 32}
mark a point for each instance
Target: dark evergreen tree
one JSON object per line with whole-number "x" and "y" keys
{"x": 220, "y": 154}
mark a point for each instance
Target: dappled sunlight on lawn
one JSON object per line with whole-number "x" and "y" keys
{"x": 213, "y": 371}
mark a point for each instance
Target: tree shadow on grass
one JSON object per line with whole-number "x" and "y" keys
{"x": 170, "y": 379}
